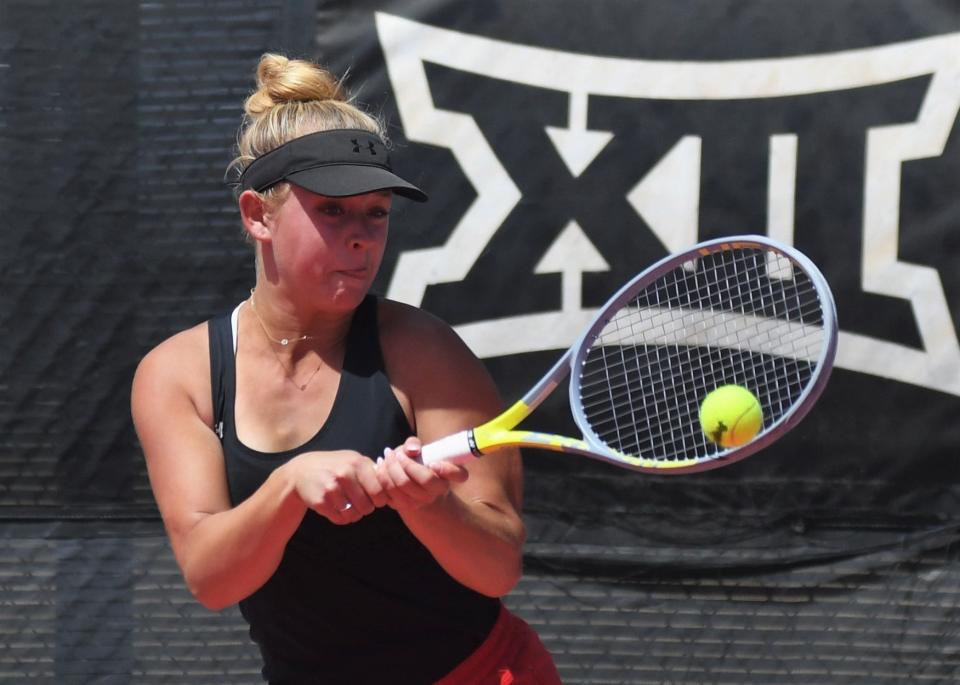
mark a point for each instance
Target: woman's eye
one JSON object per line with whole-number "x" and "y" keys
{"x": 379, "y": 212}
{"x": 331, "y": 210}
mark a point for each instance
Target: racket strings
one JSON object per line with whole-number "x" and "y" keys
{"x": 742, "y": 366}
{"x": 742, "y": 316}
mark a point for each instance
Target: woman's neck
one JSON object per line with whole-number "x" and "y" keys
{"x": 288, "y": 328}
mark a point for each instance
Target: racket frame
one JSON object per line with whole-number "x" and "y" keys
{"x": 800, "y": 407}
{"x": 499, "y": 432}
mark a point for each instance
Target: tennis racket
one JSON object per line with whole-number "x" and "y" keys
{"x": 742, "y": 310}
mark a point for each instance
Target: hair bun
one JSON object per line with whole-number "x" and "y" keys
{"x": 281, "y": 80}
{"x": 295, "y": 97}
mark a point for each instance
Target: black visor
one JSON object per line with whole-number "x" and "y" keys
{"x": 333, "y": 163}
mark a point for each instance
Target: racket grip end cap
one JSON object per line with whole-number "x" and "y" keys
{"x": 458, "y": 448}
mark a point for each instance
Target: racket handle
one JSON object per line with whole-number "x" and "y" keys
{"x": 456, "y": 448}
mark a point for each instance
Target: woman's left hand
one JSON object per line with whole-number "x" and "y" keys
{"x": 409, "y": 484}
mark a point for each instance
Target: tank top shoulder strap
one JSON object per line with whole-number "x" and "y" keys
{"x": 364, "y": 356}
{"x": 222, "y": 332}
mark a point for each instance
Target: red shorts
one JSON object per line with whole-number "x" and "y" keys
{"x": 512, "y": 654}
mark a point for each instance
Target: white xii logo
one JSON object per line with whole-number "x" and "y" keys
{"x": 667, "y": 195}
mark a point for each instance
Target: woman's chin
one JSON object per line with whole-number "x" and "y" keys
{"x": 348, "y": 296}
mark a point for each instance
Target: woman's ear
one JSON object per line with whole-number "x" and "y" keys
{"x": 253, "y": 215}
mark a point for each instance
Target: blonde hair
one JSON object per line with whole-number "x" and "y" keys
{"x": 294, "y": 97}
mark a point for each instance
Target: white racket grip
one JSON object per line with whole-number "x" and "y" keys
{"x": 455, "y": 448}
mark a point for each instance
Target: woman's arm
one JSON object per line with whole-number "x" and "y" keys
{"x": 468, "y": 517}
{"x": 224, "y": 552}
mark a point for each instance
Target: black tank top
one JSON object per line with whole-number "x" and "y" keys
{"x": 363, "y": 603}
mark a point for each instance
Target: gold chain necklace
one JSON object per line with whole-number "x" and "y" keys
{"x": 303, "y": 386}
{"x": 284, "y": 342}
{"x": 281, "y": 341}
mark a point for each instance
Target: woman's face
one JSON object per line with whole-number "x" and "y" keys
{"x": 328, "y": 249}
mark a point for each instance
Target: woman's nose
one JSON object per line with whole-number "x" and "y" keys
{"x": 362, "y": 233}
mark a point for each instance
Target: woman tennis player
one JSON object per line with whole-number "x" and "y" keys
{"x": 264, "y": 430}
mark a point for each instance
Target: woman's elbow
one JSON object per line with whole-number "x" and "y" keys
{"x": 211, "y": 592}
{"x": 213, "y": 603}
{"x": 207, "y": 594}
{"x": 507, "y": 574}
{"x": 507, "y": 582}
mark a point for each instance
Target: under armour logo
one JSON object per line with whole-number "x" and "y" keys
{"x": 371, "y": 148}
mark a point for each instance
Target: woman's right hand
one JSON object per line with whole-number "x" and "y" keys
{"x": 341, "y": 486}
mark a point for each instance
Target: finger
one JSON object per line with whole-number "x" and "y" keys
{"x": 396, "y": 473}
{"x": 344, "y": 510}
{"x": 385, "y": 479}
{"x": 417, "y": 472}
{"x": 337, "y": 509}
{"x": 330, "y": 500}
{"x": 404, "y": 492}
{"x": 356, "y": 494}
{"x": 455, "y": 473}
{"x": 346, "y": 515}
{"x": 412, "y": 447}
{"x": 425, "y": 485}
{"x": 434, "y": 480}
{"x": 383, "y": 471}
{"x": 386, "y": 453}
{"x": 368, "y": 479}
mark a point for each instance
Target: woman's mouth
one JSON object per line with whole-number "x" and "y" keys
{"x": 360, "y": 273}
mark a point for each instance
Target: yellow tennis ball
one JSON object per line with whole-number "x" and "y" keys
{"x": 731, "y": 416}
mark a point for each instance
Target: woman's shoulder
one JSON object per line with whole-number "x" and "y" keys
{"x": 180, "y": 347}
{"x": 415, "y": 331}
{"x": 179, "y": 363}
{"x": 420, "y": 347}
{"x": 429, "y": 366}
